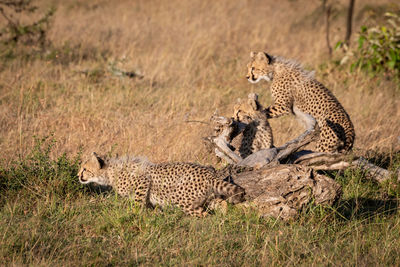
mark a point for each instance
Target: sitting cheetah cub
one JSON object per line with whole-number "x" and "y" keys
{"x": 186, "y": 185}
{"x": 296, "y": 91}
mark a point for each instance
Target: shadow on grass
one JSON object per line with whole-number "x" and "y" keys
{"x": 95, "y": 189}
{"x": 361, "y": 208}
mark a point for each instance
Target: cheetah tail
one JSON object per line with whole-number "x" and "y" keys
{"x": 350, "y": 136}
{"x": 233, "y": 193}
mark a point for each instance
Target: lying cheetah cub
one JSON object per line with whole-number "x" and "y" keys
{"x": 186, "y": 185}
{"x": 296, "y": 91}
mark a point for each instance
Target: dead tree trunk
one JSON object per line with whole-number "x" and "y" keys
{"x": 327, "y": 11}
{"x": 283, "y": 190}
{"x": 288, "y": 153}
{"x": 274, "y": 189}
{"x": 349, "y": 22}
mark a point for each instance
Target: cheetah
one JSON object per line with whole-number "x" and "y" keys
{"x": 296, "y": 91}
{"x": 187, "y": 185}
{"x": 257, "y": 133}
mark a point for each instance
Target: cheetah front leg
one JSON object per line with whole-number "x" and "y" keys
{"x": 142, "y": 191}
{"x": 282, "y": 106}
{"x": 142, "y": 195}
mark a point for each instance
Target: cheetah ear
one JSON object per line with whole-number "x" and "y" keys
{"x": 95, "y": 161}
{"x": 253, "y": 96}
{"x": 253, "y": 101}
{"x": 253, "y": 104}
{"x": 252, "y": 54}
{"x": 263, "y": 56}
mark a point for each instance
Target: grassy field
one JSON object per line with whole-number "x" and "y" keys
{"x": 193, "y": 56}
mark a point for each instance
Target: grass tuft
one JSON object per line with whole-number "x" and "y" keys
{"x": 40, "y": 176}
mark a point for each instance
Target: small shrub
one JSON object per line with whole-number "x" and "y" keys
{"x": 39, "y": 174}
{"x": 15, "y": 31}
{"x": 378, "y": 49}
{"x": 21, "y": 36}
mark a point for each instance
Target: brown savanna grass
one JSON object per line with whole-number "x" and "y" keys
{"x": 193, "y": 56}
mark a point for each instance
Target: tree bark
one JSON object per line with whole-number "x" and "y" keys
{"x": 327, "y": 11}
{"x": 283, "y": 190}
{"x": 289, "y": 153}
{"x": 349, "y": 22}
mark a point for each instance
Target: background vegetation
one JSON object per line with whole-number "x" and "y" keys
{"x": 139, "y": 77}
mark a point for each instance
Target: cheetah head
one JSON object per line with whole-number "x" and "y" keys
{"x": 247, "y": 111}
{"x": 92, "y": 171}
{"x": 260, "y": 67}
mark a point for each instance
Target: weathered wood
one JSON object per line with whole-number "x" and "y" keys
{"x": 326, "y": 161}
{"x": 274, "y": 189}
{"x": 289, "y": 153}
{"x": 310, "y": 135}
{"x": 283, "y": 190}
{"x": 225, "y": 127}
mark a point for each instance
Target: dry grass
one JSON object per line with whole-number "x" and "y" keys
{"x": 193, "y": 56}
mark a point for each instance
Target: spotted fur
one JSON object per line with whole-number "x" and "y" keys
{"x": 186, "y": 185}
{"x": 296, "y": 91}
{"x": 257, "y": 134}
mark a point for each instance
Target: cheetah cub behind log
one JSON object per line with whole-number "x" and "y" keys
{"x": 296, "y": 91}
{"x": 186, "y": 185}
{"x": 257, "y": 133}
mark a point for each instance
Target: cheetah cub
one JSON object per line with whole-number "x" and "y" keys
{"x": 296, "y": 91}
{"x": 186, "y": 185}
{"x": 257, "y": 133}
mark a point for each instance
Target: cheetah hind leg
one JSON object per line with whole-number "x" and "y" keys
{"x": 232, "y": 193}
{"x": 197, "y": 211}
{"x": 329, "y": 139}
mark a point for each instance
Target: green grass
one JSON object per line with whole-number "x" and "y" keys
{"x": 48, "y": 218}
{"x": 193, "y": 56}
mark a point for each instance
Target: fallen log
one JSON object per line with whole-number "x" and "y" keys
{"x": 326, "y": 161}
{"x": 224, "y": 128}
{"x": 275, "y": 189}
{"x": 283, "y": 190}
{"x": 291, "y": 153}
